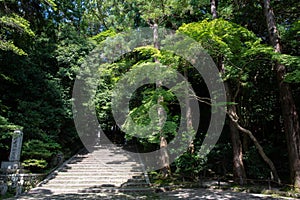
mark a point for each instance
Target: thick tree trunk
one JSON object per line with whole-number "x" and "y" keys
{"x": 238, "y": 164}
{"x": 237, "y": 148}
{"x": 239, "y": 173}
{"x": 289, "y": 112}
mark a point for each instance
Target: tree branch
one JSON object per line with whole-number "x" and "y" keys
{"x": 234, "y": 118}
{"x": 257, "y": 145}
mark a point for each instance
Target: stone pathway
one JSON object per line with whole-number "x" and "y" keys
{"x": 107, "y": 168}
{"x": 111, "y": 173}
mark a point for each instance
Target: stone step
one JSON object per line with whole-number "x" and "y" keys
{"x": 93, "y": 181}
{"x": 101, "y": 164}
{"x": 106, "y": 169}
{"x": 93, "y": 185}
{"x": 109, "y": 161}
{"x": 95, "y": 160}
{"x": 108, "y": 155}
{"x": 100, "y": 173}
{"x": 97, "y": 170}
{"x": 106, "y": 175}
{"x": 100, "y": 178}
{"x": 80, "y": 186}
{"x": 112, "y": 154}
{"x": 102, "y": 167}
{"x": 102, "y": 161}
{"x": 113, "y": 190}
{"x": 97, "y": 176}
{"x": 90, "y": 190}
{"x": 106, "y": 159}
{"x": 105, "y": 163}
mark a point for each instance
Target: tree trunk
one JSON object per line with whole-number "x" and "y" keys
{"x": 213, "y": 8}
{"x": 163, "y": 142}
{"x": 155, "y": 37}
{"x": 239, "y": 173}
{"x": 188, "y": 114}
{"x": 257, "y": 145}
{"x": 238, "y": 164}
{"x": 288, "y": 107}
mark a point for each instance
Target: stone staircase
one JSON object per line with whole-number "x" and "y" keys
{"x": 107, "y": 169}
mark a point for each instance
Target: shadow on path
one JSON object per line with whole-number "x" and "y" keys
{"x": 214, "y": 194}
{"x": 177, "y": 194}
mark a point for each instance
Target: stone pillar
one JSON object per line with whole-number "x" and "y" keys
{"x": 16, "y": 146}
{"x": 15, "y": 152}
{"x": 14, "y": 163}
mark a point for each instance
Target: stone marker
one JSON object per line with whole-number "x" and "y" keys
{"x": 15, "y": 152}
{"x": 16, "y": 146}
{"x": 13, "y": 164}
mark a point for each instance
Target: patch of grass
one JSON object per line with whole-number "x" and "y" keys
{"x": 7, "y": 195}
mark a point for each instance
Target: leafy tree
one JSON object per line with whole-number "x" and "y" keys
{"x": 288, "y": 106}
{"x": 40, "y": 83}
{"x": 289, "y": 41}
{"x": 105, "y": 15}
{"x": 236, "y": 45}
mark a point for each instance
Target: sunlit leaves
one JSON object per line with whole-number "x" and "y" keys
{"x": 17, "y": 23}
{"x": 11, "y": 24}
{"x": 29, "y": 163}
{"x": 103, "y": 35}
{"x": 238, "y": 47}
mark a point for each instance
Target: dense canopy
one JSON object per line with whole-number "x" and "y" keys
{"x": 45, "y": 44}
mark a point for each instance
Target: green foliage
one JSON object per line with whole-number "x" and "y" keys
{"x": 38, "y": 154}
{"x": 11, "y": 24}
{"x": 6, "y": 126}
{"x": 16, "y": 22}
{"x": 37, "y": 148}
{"x": 37, "y": 88}
{"x": 292, "y": 62}
{"x": 155, "y": 10}
{"x": 240, "y": 50}
{"x": 290, "y": 40}
{"x": 221, "y": 37}
{"x": 146, "y": 51}
{"x": 247, "y": 66}
{"x": 190, "y": 165}
{"x": 256, "y": 167}
{"x": 142, "y": 101}
{"x": 56, "y": 37}
{"x": 105, "y": 15}
{"x": 142, "y": 119}
{"x": 51, "y": 3}
{"x": 293, "y": 77}
{"x": 70, "y": 52}
{"x": 6, "y": 130}
{"x": 9, "y": 46}
{"x": 103, "y": 35}
{"x": 34, "y": 163}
